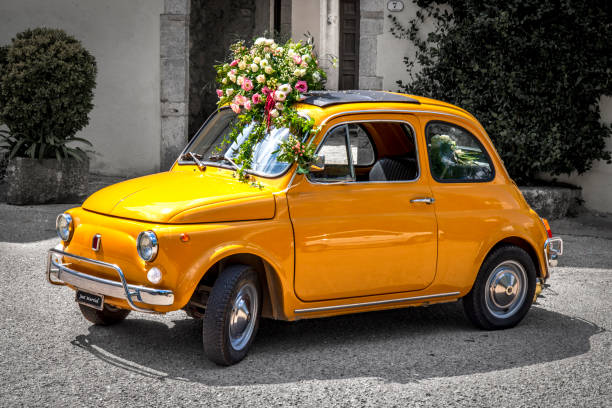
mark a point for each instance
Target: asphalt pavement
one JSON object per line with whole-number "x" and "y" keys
{"x": 560, "y": 355}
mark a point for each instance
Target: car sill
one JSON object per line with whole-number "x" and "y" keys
{"x": 378, "y": 302}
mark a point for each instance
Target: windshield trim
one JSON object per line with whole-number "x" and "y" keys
{"x": 182, "y": 162}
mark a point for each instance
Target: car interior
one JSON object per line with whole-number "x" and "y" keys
{"x": 378, "y": 152}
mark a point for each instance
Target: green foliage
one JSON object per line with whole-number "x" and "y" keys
{"x": 46, "y": 91}
{"x": 532, "y": 72}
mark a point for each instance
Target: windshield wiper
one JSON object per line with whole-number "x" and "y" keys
{"x": 195, "y": 158}
{"x": 217, "y": 158}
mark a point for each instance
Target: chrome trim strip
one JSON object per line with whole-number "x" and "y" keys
{"x": 378, "y": 302}
{"x": 121, "y": 290}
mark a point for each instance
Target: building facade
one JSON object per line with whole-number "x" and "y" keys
{"x": 155, "y": 83}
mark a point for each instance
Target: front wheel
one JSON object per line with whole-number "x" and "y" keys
{"x": 503, "y": 291}
{"x": 232, "y": 315}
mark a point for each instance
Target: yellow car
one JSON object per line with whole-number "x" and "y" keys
{"x": 408, "y": 204}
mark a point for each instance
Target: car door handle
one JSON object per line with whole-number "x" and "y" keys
{"x": 426, "y": 200}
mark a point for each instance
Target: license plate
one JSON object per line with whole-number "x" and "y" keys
{"x": 89, "y": 299}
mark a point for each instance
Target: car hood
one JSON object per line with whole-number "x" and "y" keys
{"x": 183, "y": 198}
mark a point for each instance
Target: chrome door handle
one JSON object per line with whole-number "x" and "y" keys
{"x": 427, "y": 200}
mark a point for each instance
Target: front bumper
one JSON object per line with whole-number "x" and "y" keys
{"x": 58, "y": 273}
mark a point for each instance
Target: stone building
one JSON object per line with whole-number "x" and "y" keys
{"x": 155, "y": 83}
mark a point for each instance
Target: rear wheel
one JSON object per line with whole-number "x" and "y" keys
{"x": 503, "y": 291}
{"x": 105, "y": 317}
{"x": 232, "y": 315}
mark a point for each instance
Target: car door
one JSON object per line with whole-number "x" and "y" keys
{"x": 359, "y": 238}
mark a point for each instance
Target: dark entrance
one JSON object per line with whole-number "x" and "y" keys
{"x": 349, "y": 44}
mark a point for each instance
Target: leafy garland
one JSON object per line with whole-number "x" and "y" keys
{"x": 261, "y": 84}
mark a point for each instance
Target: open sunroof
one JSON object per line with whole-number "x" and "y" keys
{"x": 328, "y": 98}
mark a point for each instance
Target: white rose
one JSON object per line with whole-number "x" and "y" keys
{"x": 274, "y": 113}
{"x": 232, "y": 77}
{"x": 260, "y": 41}
{"x": 299, "y": 72}
{"x": 316, "y": 76}
{"x": 240, "y": 80}
{"x": 306, "y": 57}
{"x": 257, "y": 60}
{"x": 280, "y": 96}
{"x": 268, "y": 41}
{"x": 242, "y": 65}
{"x": 229, "y": 91}
{"x": 285, "y": 88}
{"x": 261, "y": 78}
{"x": 254, "y": 67}
{"x": 268, "y": 70}
{"x": 279, "y": 106}
{"x": 264, "y": 63}
{"x": 224, "y": 81}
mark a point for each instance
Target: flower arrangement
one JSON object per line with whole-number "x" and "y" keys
{"x": 449, "y": 161}
{"x": 261, "y": 84}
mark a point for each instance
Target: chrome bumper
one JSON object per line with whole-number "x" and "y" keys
{"x": 553, "y": 249}
{"x": 59, "y": 274}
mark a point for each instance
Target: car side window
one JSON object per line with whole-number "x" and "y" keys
{"x": 362, "y": 151}
{"x": 334, "y": 150}
{"x": 455, "y": 155}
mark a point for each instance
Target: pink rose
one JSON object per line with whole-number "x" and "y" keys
{"x": 235, "y": 108}
{"x": 256, "y": 98}
{"x": 219, "y": 93}
{"x": 234, "y": 63}
{"x": 240, "y": 99}
{"x": 247, "y": 105}
{"x": 297, "y": 59}
{"x": 247, "y": 84}
{"x": 301, "y": 86}
{"x": 266, "y": 90}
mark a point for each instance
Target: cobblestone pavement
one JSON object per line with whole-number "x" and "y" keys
{"x": 560, "y": 355}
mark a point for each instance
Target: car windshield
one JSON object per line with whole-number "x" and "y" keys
{"x": 211, "y": 136}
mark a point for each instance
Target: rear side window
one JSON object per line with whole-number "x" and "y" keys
{"x": 455, "y": 155}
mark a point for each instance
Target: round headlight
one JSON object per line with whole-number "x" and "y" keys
{"x": 147, "y": 245}
{"x": 64, "y": 227}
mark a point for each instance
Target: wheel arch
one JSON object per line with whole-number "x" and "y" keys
{"x": 271, "y": 286}
{"x": 523, "y": 244}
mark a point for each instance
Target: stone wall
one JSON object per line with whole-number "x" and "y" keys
{"x": 174, "y": 94}
{"x": 213, "y": 26}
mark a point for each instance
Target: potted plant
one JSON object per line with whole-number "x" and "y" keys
{"x": 46, "y": 91}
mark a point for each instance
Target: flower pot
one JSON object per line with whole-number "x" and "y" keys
{"x": 32, "y": 181}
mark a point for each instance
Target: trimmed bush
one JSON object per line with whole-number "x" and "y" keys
{"x": 532, "y": 72}
{"x": 46, "y": 91}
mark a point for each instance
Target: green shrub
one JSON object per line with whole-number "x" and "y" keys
{"x": 46, "y": 91}
{"x": 532, "y": 71}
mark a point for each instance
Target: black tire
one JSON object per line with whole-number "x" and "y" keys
{"x": 105, "y": 317}
{"x": 228, "y": 290}
{"x": 482, "y": 304}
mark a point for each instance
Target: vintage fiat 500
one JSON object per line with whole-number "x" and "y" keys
{"x": 409, "y": 204}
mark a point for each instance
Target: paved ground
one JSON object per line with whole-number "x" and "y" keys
{"x": 560, "y": 355}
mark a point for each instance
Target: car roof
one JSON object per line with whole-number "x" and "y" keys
{"x": 322, "y": 105}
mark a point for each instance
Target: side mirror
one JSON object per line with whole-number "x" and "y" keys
{"x": 318, "y": 165}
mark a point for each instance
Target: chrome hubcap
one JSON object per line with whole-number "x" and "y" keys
{"x": 506, "y": 289}
{"x": 242, "y": 316}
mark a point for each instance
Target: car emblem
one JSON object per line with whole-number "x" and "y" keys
{"x": 95, "y": 242}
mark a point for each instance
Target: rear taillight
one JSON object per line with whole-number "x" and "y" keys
{"x": 547, "y": 226}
